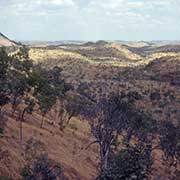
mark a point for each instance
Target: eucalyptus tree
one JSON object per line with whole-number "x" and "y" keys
{"x": 48, "y": 88}
{"x": 132, "y": 163}
{"x": 117, "y": 116}
{"x": 4, "y": 68}
{"x": 27, "y": 85}
{"x": 21, "y": 67}
{"x": 4, "y": 91}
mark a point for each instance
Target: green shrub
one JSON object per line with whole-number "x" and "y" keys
{"x": 133, "y": 163}
{"x": 5, "y": 178}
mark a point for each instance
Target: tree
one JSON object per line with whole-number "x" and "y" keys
{"x": 170, "y": 144}
{"x": 18, "y": 77}
{"x": 22, "y": 83}
{"x": 46, "y": 102}
{"x": 131, "y": 163}
{"x": 18, "y": 84}
{"x": 48, "y": 88}
{"x": 71, "y": 106}
{"x": 4, "y": 68}
{"x": 117, "y": 116}
{"x": 141, "y": 125}
{"x": 4, "y": 91}
{"x": 19, "y": 88}
{"x": 28, "y": 108}
{"x": 111, "y": 116}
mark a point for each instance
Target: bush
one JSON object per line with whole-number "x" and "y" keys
{"x": 132, "y": 163}
{"x": 27, "y": 173}
{"x": 43, "y": 168}
{"x": 170, "y": 139}
{"x": 5, "y": 178}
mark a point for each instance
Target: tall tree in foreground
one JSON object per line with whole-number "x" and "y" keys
{"x": 131, "y": 163}
{"x": 116, "y": 117}
{"x": 110, "y": 117}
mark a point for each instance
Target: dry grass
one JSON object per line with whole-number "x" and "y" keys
{"x": 101, "y": 76}
{"x": 62, "y": 147}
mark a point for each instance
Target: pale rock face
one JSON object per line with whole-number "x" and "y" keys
{"x": 4, "y": 41}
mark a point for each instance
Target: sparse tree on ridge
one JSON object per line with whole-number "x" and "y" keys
{"x": 25, "y": 84}
{"x": 48, "y": 88}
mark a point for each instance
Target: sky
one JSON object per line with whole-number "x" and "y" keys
{"x": 51, "y": 20}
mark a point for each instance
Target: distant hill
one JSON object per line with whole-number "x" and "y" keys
{"x": 5, "y": 41}
{"x": 51, "y": 43}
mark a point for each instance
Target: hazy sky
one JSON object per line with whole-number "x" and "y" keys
{"x": 90, "y": 19}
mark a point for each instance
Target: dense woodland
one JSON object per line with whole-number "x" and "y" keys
{"x": 127, "y": 136}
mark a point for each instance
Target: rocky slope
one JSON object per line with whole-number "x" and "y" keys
{"x": 6, "y": 42}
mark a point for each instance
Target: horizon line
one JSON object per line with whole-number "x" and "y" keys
{"x": 97, "y": 40}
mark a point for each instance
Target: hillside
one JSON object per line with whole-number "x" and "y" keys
{"x": 6, "y": 42}
{"x": 95, "y": 70}
{"x": 95, "y": 77}
{"x": 64, "y": 147}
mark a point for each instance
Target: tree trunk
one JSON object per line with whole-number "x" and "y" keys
{"x": 14, "y": 106}
{"x": 21, "y": 119}
{"x": 20, "y": 127}
{"x": 104, "y": 153}
{"x": 69, "y": 119}
{"x": 23, "y": 113}
{"x": 42, "y": 121}
{"x": 20, "y": 132}
{"x": 13, "y": 111}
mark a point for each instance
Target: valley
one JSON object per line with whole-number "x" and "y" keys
{"x": 96, "y": 70}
